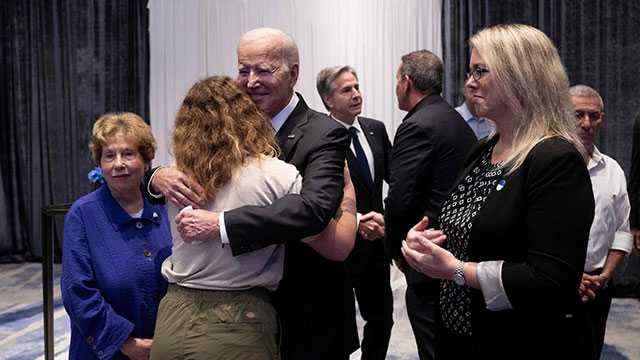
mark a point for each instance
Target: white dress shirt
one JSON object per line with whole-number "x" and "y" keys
{"x": 610, "y": 227}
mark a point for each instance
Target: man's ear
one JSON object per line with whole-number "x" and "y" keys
{"x": 408, "y": 82}
{"x": 293, "y": 73}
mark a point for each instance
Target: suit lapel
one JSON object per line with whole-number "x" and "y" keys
{"x": 291, "y": 131}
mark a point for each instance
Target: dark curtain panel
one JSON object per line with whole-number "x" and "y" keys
{"x": 63, "y": 64}
{"x": 598, "y": 41}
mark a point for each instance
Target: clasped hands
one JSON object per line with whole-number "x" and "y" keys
{"x": 590, "y": 284}
{"x": 193, "y": 224}
{"x": 424, "y": 252}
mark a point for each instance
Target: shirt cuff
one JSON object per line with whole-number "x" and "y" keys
{"x": 490, "y": 278}
{"x": 150, "y": 188}
{"x": 622, "y": 241}
{"x": 223, "y": 230}
{"x": 358, "y": 215}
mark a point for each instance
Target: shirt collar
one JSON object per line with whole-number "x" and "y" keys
{"x": 119, "y": 217}
{"x": 356, "y": 123}
{"x": 466, "y": 114}
{"x": 464, "y": 111}
{"x": 278, "y": 120}
{"x": 596, "y": 158}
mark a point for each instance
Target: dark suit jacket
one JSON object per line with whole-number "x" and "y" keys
{"x": 314, "y": 300}
{"x": 538, "y": 223}
{"x": 428, "y": 152}
{"x": 316, "y": 145}
{"x": 634, "y": 176}
{"x": 369, "y": 196}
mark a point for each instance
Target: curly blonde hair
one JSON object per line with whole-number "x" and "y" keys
{"x": 130, "y": 126}
{"x": 216, "y": 129}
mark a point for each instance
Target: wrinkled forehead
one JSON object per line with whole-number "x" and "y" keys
{"x": 121, "y": 139}
{"x": 260, "y": 50}
{"x": 587, "y": 103}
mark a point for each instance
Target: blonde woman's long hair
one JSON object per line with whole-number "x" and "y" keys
{"x": 217, "y": 128}
{"x": 530, "y": 77}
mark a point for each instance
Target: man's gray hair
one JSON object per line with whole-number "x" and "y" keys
{"x": 586, "y": 91}
{"x": 425, "y": 70}
{"x": 285, "y": 47}
{"x": 326, "y": 81}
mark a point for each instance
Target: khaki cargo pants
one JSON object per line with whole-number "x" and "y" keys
{"x": 215, "y": 325}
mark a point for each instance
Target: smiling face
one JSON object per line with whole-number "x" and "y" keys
{"x": 345, "y": 103}
{"x": 264, "y": 75}
{"x": 122, "y": 165}
{"x": 482, "y": 93}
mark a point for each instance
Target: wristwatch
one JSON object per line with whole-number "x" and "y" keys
{"x": 458, "y": 274}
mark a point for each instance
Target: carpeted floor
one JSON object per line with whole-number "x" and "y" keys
{"x": 21, "y": 332}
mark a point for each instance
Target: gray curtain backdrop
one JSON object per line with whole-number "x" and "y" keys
{"x": 599, "y": 43}
{"x": 63, "y": 63}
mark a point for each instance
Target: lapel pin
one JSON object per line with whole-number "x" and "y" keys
{"x": 155, "y": 214}
{"x": 291, "y": 136}
{"x": 501, "y": 184}
{"x": 370, "y": 132}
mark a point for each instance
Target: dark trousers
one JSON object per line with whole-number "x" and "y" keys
{"x": 422, "y": 301}
{"x": 452, "y": 346}
{"x": 372, "y": 286}
{"x": 597, "y": 313}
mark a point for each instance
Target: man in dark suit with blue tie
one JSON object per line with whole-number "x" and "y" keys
{"x": 428, "y": 151}
{"x": 368, "y": 163}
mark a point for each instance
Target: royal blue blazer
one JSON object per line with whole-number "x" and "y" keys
{"x": 111, "y": 283}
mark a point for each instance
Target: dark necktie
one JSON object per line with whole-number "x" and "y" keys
{"x": 363, "y": 164}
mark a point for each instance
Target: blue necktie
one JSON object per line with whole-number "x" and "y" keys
{"x": 363, "y": 164}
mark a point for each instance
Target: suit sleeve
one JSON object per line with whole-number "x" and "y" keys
{"x": 558, "y": 212}
{"x": 411, "y": 156}
{"x": 386, "y": 147}
{"x": 634, "y": 176}
{"x": 91, "y": 315}
{"x": 295, "y": 216}
{"x": 145, "y": 187}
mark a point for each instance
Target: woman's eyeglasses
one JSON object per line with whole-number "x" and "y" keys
{"x": 477, "y": 73}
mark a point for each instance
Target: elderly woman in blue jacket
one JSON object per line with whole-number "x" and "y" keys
{"x": 114, "y": 244}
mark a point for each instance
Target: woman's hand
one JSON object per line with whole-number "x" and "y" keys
{"x": 423, "y": 251}
{"x": 137, "y": 349}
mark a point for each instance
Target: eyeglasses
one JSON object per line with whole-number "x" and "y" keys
{"x": 477, "y": 73}
{"x": 593, "y": 116}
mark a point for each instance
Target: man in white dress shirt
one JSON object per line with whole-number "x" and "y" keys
{"x": 610, "y": 238}
{"x": 482, "y": 127}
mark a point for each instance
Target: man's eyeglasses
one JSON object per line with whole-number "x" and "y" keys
{"x": 594, "y": 116}
{"x": 477, "y": 73}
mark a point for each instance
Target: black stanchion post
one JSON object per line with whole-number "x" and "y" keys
{"x": 48, "y": 234}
